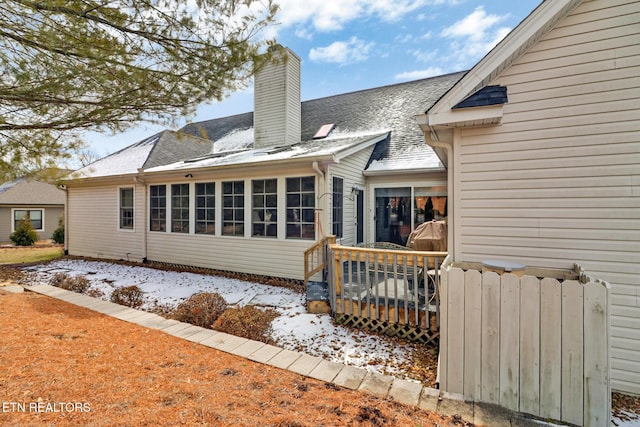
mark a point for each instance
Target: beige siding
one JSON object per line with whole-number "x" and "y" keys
{"x": 51, "y": 215}
{"x": 93, "y": 229}
{"x": 559, "y": 181}
{"x": 263, "y": 256}
{"x": 92, "y": 223}
{"x": 277, "y": 103}
{"x": 350, "y": 170}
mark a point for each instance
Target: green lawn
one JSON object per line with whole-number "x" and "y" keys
{"x": 28, "y": 254}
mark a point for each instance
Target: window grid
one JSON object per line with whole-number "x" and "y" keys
{"x": 179, "y": 208}
{"x": 205, "y": 208}
{"x": 126, "y": 208}
{"x": 338, "y": 207}
{"x": 158, "y": 208}
{"x": 301, "y": 207}
{"x": 233, "y": 208}
{"x": 265, "y": 208}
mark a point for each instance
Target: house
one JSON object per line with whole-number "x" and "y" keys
{"x": 541, "y": 140}
{"x": 250, "y": 192}
{"x": 41, "y": 201}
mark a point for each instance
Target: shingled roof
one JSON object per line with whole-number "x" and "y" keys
{"x": 160, "y": 149}
{"x": 382, "y": 109}
{"x": 357, "y": 117}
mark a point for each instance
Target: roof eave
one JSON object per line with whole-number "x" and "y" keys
{"x": 390, "y": 172}
{"x": 463, "y": 117}
{"x": 506, "y": 52}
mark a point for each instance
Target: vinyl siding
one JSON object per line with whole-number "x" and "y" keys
{"x": 92, "y": 223}
{"x": 558, "y": 182}
{"x": 51, "y": 214}
{"x": 350, "y": 170}
{"x": 277, "y": 115}
{"x": 268, "y": 257}
{"x": 93, "y": 228}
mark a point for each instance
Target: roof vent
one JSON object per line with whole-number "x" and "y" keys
{"x": 324, "y": 131}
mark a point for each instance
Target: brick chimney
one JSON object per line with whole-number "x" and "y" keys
{"x": 276, "y": 115}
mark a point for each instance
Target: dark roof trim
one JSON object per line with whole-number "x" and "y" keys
{"x": 488, "y": 95}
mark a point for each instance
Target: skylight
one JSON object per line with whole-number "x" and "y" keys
{"x": 324, "y": 131}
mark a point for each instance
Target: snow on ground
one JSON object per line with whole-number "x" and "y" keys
{"x": 294, "y": 329}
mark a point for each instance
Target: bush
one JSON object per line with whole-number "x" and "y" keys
{"x": 201, "y": 309}
{"x": 248, "y": 322}
{"x": 131, "y": 296}
{"x": 24, "y": 235}
{"x": 78, "y": 284}
{"x": 58, "y": 233}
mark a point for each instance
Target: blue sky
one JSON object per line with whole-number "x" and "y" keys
{"x": 348, "y": 45}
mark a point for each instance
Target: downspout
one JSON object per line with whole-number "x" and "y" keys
{"x": 139, "y": 180}
{"x": 66, "y": 215}
{"x": 448, "y": 146}
{"x": 321, "y": 184}
{"x": 435, "y": 142}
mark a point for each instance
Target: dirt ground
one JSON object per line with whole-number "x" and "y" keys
{"x": 63, "y": 365}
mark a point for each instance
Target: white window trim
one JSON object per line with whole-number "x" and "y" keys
{"x": 13, "y": 221}
{"x": 118, "y": 227}
{"x": 167, "y": 192}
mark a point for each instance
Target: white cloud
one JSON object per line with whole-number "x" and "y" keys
{"x": 342, "y": 52}
{"x": 420, "y": 74}
{"x": 472, "y": 37}
{"x": 426, "y": 55}
{"x": 475, "y": 26}
{"x": 332, "y": 15}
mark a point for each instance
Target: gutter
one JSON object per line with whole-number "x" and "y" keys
{"x": 388, "y": 172}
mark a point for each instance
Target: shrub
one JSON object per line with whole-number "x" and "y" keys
{"x": 131, "y": 296}
{"x": 58, "y": 233}
{"x": 201, "y": 309}
{"x": 248, "y": 322}
{"x": 78, "y": 284}
{"x": 24, "y": 235}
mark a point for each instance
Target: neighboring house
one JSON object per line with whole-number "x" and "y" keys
{"x": 264, "y": 186}
{"x": 41, "y": 201}
{"x": 542, "y": 144}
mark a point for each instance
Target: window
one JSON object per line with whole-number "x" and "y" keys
{"x": 233, "y": 208}
{"x": 179, "y": 208}
{"x": 126, "y": 208}
{"x": 32, "y": 215}
{"x": 338, "y": 207}
{"x": 158, "y": 208}
{"x": 301, "y": 197}
{"x": 265, "y": 208}
{"x": 429, "y": 203}
{"x": 206, "y": 208}
{"x": 393, "y": 214}
{"x": 400, "y": 210}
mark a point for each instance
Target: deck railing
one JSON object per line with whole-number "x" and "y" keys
{"x": 315, "y": 258}
{"x": 394, "y": 291}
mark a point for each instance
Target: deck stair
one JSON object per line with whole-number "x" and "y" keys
{"x": 318, "y": 297}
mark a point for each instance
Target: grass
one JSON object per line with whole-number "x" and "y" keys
{"x": 29, "y": 254}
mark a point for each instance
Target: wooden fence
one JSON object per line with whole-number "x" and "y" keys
{"x": 537, "y": 345}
